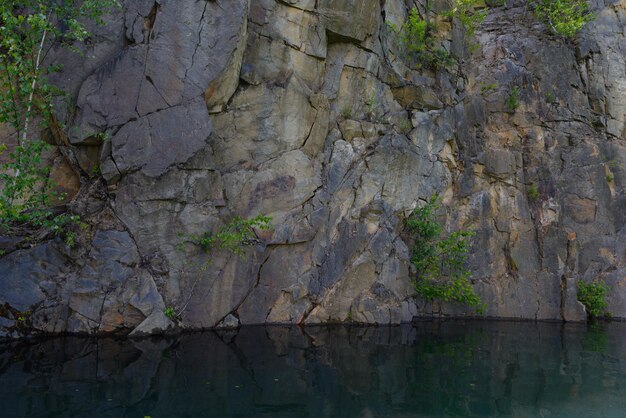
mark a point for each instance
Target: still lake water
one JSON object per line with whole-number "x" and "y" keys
{"x": 430, "y": 369}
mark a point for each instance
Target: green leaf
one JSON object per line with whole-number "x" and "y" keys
{"x": 440, "y": 260}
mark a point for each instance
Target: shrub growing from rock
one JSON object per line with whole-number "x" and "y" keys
{"x": 564, "y": 17}
{"x": 440, "y": 260}
{"x": 592, "y": 295}
{"x": 234, "y": 237}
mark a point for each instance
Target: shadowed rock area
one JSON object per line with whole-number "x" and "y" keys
{"x": 306, "y": 112}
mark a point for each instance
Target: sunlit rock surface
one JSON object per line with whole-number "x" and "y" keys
{"x": 304, "y": 111}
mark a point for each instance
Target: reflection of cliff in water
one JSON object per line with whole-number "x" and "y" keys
{"x": 449, "y": 368}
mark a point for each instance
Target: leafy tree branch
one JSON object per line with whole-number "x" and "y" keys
{"x": 28, "y": 30}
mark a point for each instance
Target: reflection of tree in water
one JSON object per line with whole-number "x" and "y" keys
{"x": 400, "y": 370}
{"x": 431, "y": 369}
{"x": 445, "y": 369}
{"x": 595, "y": 338}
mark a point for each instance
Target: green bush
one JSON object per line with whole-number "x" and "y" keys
{"x": 417, "y": 35}
{"x": 592, "y": 295}
{"x": 486, "y": 88}
{"x": 512, "y": 102}
{"x": 465, "y": 11}
{"x": 440, "y": 261}
{"x": 233, "y": 237}
{"x": 416, "y": 39}
{"x": 595, "y": 339}
{"x": 564, "y": 17}
{"x": 170, "y": 312}
{"x": 533, "y": 192}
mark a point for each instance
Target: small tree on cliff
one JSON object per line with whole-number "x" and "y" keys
{"x": 440, "y": 260}
{"x": 28, "y": 31}
{"x": 564, "y": 17}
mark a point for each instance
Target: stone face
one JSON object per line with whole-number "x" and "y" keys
{"x": 183, "y": 49}
{"x": 417, "y": 97}
{"x": 109, "y": 293}
{"x": 302, "y": 110}
{"x": 283, "y": 281}
{"x": 500, "y": 163}
{"x": 340, "y": 299}
{"x": 230, "y": 322}
{"x": 156, "y": 323}
{"x": 350, "y": 18}
{"x": 573, "y": 310}
{"x": 616, "y": 298}
{"x": 158, "y": 141}
{"x": 23, "y": 273}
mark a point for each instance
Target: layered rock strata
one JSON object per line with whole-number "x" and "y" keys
{"x": 306, "y": 111}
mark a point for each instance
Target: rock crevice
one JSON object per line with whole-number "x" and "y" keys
{"x": 306, "y": 112}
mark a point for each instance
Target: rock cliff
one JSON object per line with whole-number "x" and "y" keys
{"x": 193, "y": 112}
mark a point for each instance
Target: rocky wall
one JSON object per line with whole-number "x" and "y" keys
{"x": 198, "y": 111}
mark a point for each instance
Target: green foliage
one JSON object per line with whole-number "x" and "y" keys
{"x": 416, "y": 33}
{"x": 346, "y": 112}
{"x": 464, "y": 11}
{"x": 533, "y": 192}
{"x": 27, "y": 31}
{"x": 63, "y": 225}
{"x": 595, "y": 339}
{"x": 550, "y": 97}
{"x": 234, "y": 237}
{"x": 349, "y": 317}
{"x": 440, "y": 261}
{"x": 95, "y": 171}
{"x": 459, "y": 350}
{"x": 26, "y": 189}
{"x": 564, "y": 17}
{"x": 170, "y": 313}
{"x": 609, "y": 178}
{"x": 486, "y": 88}
{"x": 102, "y": 136}
{"x": 416, "y": 40}
{"x": 512, "y": 102}
{"x": 592, "y": 295}
{"x": 23, "y": 319}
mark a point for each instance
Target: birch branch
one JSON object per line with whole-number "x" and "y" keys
{"x": 33, "y": 86}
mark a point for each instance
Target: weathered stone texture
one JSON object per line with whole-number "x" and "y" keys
{"x": 307, "y": 112}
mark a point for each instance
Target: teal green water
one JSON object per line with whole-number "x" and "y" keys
{"x": 431, "y": 369}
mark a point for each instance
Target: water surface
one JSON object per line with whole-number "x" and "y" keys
{"x": 431, "y": 369}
